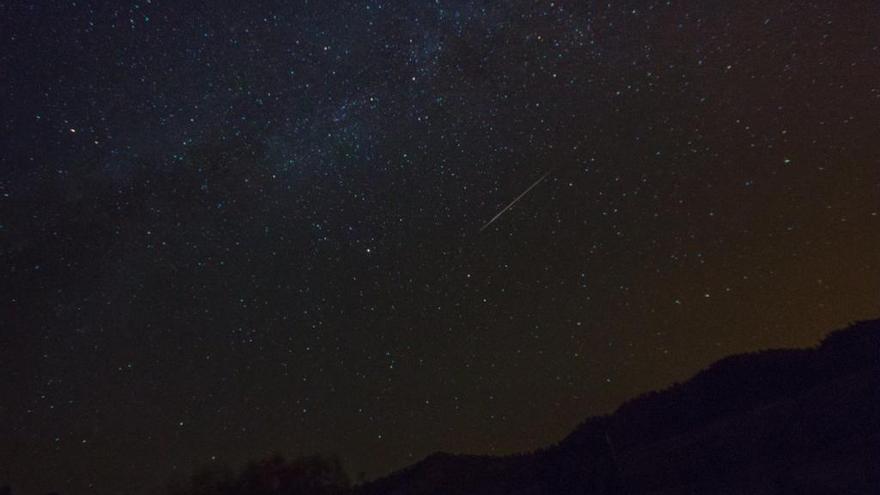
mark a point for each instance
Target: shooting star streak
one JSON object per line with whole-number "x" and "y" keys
{"x": 509, "y": 206}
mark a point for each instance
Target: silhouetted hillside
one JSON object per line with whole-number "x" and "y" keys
{"x": 774, "y": 422}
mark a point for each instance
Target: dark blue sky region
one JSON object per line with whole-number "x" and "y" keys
{"x": 233, "y": 228}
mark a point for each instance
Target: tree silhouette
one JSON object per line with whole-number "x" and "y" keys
{"x": 313, "y": 475}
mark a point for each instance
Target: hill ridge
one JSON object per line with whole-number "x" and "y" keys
{"x": 758, "y": 406}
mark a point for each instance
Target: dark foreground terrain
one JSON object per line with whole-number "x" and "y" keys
{"x": 773, "y": 422}
{"x": 801, "y": 421}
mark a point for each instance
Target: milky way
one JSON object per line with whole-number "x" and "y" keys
{"x": 236, "y": 228}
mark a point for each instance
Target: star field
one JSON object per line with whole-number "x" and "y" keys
{"x": 231, "y": 229}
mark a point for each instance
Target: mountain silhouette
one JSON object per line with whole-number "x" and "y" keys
{"x": 803, "y": 421}
{"x": 776, "y": 422}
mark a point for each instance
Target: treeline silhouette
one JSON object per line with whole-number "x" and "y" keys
{"x": 315, "y": 475}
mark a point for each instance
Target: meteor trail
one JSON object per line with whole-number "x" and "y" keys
{"x": 509, "y": 206}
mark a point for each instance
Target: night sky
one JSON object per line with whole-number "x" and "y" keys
{"x": 234, "y": 228}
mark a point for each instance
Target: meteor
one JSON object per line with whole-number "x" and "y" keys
{"x": 509, "y": 206}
